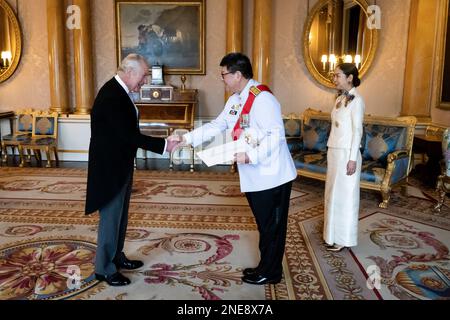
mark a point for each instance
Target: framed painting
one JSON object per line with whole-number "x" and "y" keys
{"x": 167, "y": 33}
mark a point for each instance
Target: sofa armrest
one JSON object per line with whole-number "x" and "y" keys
{"x": 399, "y": 154}
{"x": 397, "y": 168}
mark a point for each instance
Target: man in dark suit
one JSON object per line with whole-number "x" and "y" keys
{"x": 115, "y": 138}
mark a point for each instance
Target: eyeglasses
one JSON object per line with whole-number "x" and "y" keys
{"x": 224, "y": 74}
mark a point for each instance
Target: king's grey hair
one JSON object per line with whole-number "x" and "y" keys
{"x": 132, "y": 62}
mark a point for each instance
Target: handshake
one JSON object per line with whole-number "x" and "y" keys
{"x": 175, "y": 141}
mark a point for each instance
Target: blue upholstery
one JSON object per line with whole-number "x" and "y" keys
{"x": 380, "y": 140}
{"x": 45, "y": 141}
{"x": 400, "y": 170}
{"x": 315, "y": 135}
{"x": 293, "y": 133}
{"x": 44, "y": 126}
{"x": 22, "y": 132}
{"x": 294, "y": 144}
{"x": 16, "y": 137}
{"x": 292, "y": 128}
{"x": 25, "y": 122}
{"x": 372, "y": 171}
{"x": 312, "y": 161}
{"x": 44, "y": 136}
{"x": 381, "y": 137}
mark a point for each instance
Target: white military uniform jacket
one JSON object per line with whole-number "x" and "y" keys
{"x": 271, "y": 162}
{"x": 347, "y": 127}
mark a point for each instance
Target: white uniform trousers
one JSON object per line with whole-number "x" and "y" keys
{"x": 341, "y": 199}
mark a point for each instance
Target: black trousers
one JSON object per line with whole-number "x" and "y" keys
{"x": 270, "y": 208}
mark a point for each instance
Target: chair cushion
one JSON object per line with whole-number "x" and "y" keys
{"x": 311, "y": 161}
{"x": 379, "y": 141}
{"x": 315, "y": 135}
{"x": 25, "y": 122}
{"x": 45, "y": 126}
{"x": 44, "y": 141}
{"x": 292, "y": 127}
{"x": 372, "y": 171}
{"x": 16, "y": 137}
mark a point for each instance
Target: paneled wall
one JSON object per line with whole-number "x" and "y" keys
{"x": 424, "y": 64}
{"x": 29, "y": 85}
{"x": 382, "y": 87}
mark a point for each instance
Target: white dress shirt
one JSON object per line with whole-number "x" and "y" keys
{"x": 271, "y": 162}
{"x": 124, "y": 86}
{"x": 347, "y": 124}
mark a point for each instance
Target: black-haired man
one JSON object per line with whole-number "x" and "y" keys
{"x": 266, "y": 169}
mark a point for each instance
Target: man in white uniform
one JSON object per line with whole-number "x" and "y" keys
{"x": 266, "y": 170}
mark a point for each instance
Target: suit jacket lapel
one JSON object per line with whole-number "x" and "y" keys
{"x": 129, "y": 101}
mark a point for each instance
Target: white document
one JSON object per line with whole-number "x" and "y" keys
{"x": 223, "y": 153}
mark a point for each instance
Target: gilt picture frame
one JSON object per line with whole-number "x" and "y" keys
{"x": 167, "y": 33}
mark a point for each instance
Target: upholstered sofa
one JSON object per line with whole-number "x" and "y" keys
{"x": 386, "y": 148}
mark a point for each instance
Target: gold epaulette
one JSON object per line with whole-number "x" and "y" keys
{"x": 255, "y": 91}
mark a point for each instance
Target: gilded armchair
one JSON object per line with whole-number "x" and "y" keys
{"x": 22, "y": 131}
{"x": 44, "y": 136}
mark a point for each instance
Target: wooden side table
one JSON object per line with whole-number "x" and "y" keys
{"x": 161, "y": 118}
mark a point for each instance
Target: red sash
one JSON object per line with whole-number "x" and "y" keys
{"x": 252, "y": 94}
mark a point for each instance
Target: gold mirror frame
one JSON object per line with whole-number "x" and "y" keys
{"x": 15, "y": 56}
{"x": 366, "y": 63}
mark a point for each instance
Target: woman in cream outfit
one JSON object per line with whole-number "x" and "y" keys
{"x": 344, "y": 162}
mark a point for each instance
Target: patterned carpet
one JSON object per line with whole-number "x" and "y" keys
{"x": 195, "y": 234}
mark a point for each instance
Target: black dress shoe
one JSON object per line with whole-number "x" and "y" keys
{"x": 129, "y": 264}
{"x": 259, "y": 279}
{"x": 117, "y": 279}
{"x": 249, "y": 271}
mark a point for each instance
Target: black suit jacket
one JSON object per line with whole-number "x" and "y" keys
{"x": 115, "y": 138}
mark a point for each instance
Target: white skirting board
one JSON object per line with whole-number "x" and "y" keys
{"x": 74, "y": 133}
{"x": 73, "y": 141}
